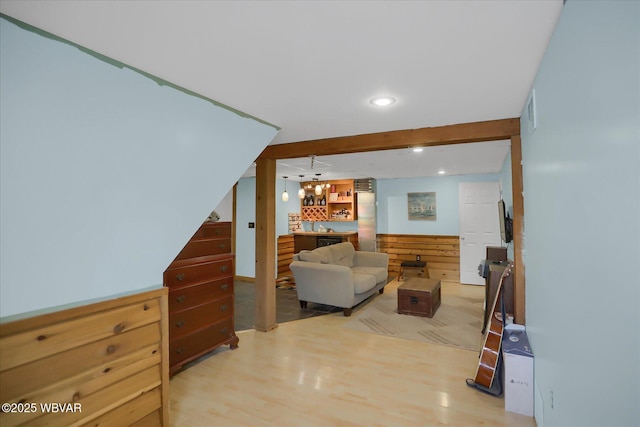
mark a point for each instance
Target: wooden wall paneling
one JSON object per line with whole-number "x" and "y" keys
{"x": 518, "y": 229}
{"x": 131, "y": 352}
{"x": 150, "y": 420}
{"x": 162, "y": 414}
{"x": 25, "y": 347}
{"x": 105, "y": 399}
{"x": 103, "y": 358}
{"x": 132, "y": 411}
{"x": 442, "y": 253}
{"x": 285, "y": 256}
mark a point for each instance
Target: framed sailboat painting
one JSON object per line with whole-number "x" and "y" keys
{"x": 422, "y": 206}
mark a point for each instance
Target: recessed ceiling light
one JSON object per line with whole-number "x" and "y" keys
{"x": 441, "y": 172}
{"x": 382, "y": 101}
{"x": 417, "y": 149}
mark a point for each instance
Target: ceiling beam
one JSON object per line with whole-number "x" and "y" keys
{"x": 492, "y": 130}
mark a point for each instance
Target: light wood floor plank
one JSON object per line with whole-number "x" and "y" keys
{"x": 315, "y": 372}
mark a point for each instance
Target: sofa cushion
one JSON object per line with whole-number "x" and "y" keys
{"x": 325, "y": 255}
{"x": 342, "y": 254}
{"x": 378, "y": 272}
{"x": 309, "y": 256}
{"x": 363, "y": 282}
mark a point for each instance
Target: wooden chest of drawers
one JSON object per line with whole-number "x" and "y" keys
{"x": 200, "y": 282}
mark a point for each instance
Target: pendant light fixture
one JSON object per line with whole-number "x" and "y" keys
{"x": 301, "y": 190}
{"x": 318, "y": 189}
{"x": 285, "y": 195}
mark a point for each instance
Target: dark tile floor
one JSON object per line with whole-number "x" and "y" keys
{"x": 287, "y": 306}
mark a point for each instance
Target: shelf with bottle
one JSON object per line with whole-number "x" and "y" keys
{"x": 341, "y": 215}
{"x": 311, "y": 199}
{"x": 336, "y": 202}
{"x": 342, "y": 201}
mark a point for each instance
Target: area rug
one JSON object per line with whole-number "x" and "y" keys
{"x": 456, "y": 323}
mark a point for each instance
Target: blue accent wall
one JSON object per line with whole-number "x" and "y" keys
{"x": 393, "y": 217}
{"x": 105, "y": 174}
{"x": 581, "y": 183}
{"x": 245, "y": 236}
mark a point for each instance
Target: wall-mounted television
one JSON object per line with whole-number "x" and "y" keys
{"x": 506, "y": 223}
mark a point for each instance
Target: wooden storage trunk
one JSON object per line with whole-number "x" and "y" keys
{"x": 419, "y": 297}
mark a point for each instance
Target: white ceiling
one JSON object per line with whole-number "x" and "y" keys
{"x": 311, "y": 67}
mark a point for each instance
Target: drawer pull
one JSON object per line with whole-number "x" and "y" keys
{"x": 414, "y": 300}
{"x": 222, "y": 245}
{"x": 223, "y": 268}
{"x": 180, "y": 350}
{"x": 180, "y": 323}
{"x": 223, "y": 307}
{"x": 217, "y": 232}
{"x": 181, "y": 298}
{"x": 180, "y": 277}
{"x": 223, "y": 331}
{"x": 224, "y": 286}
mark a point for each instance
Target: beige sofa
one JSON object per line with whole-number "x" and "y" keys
{"x": 338, "y": 275}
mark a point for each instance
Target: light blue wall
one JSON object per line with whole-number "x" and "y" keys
{"x": 225, "y": 208}
{"x": 284, "y": 208}
{"x": 392, "y": 203}
{"x": 582, "y": 219}
{"x": 246, "y": 213}
{"x": 245, "y": 236}
{"x": 105, "y": 174}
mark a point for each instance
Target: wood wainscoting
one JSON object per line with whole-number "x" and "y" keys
{"x": 285, "y": 256}
{"x": 442, "y": 253}
{"x": 104, "y": 363}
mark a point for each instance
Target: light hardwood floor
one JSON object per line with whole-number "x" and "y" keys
{"x": 315, "y": 372}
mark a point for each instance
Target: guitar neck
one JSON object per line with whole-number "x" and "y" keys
{"x": 492, "y": 340}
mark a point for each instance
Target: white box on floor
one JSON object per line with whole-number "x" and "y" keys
{"x": 518, "y": 372}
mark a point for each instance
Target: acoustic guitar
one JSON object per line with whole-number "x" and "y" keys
{"x": 492, "y": 341}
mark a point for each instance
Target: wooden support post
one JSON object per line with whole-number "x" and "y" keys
{"x": 518, "y": 230}
{"x": 265, "y": 245}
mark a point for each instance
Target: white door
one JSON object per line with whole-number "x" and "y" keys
{"x": 479, "y": 226}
